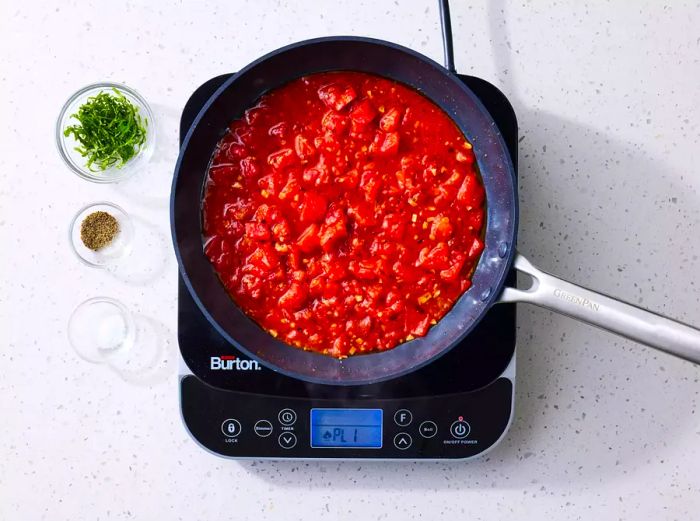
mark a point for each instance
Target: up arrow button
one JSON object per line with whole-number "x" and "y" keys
{"x": 403, "y": 440}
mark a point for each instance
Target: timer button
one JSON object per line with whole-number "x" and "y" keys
{"x": 287, "y": 417}
{"x": 460, "y": 429}
{"x": 403, "y": 440}
{"x": 427, "y": 429}
{"x": 231, "y": 428}
{"x": 287, "y": 440}
{"x": 403, "y": 417}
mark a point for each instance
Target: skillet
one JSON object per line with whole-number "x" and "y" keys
{"x": 444, "y": 88}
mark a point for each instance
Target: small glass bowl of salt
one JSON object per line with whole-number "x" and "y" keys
{"x": 100, "y": 328}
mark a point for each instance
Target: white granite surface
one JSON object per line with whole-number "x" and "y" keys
{"x": 607, "y": 95}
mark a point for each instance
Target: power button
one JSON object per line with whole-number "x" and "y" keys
{"x": 460, "y": 429}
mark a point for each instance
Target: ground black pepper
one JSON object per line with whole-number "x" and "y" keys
{"x": 98, "y": 230}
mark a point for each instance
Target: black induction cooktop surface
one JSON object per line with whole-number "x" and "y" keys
{"x": 476, "y": 362}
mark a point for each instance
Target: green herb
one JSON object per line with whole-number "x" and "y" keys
{"x": 110, "y": 131}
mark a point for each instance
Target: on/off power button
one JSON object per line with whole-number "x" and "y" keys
{"x": 460, "y": 429}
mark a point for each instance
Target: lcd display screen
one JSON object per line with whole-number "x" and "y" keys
{"x": 351, "y": 428}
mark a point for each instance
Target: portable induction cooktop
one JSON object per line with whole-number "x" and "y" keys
{"x": 452, "y": 408}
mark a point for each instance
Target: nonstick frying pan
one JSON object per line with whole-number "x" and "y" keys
{"x": 443, "y": 87}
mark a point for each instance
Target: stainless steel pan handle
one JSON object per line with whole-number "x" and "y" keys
{"x": 606, "y": 312}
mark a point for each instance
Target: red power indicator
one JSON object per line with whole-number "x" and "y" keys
{"x": 461, "y": 418}
{"x": 228, "y": 357}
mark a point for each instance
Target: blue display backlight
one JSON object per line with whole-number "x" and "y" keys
{"x": 346, "y": 428}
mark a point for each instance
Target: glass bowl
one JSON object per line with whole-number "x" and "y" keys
{"x": 76, "y": 162}
{"x": 110, "y": 254}
{"x": 101, "y": 327}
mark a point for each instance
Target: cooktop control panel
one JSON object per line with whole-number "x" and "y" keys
{"x": 247, "y": 425}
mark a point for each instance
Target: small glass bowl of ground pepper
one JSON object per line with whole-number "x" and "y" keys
{"x": 106, "y": 132}
{"x": 100, "y": 234}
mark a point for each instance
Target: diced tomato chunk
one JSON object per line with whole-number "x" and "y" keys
{"x": 362, "y": 214}
{"x": 441, "y": 228}
{"x": 308, "y": 241}
{"x": 409, "y": 165}
{"x": 282, "y": 158}
{"x": 336, "y": 271}
{"x": 294, "y": 259}
{"x": 365, "y": 270}
{"x": 362, "y": 113}
{"x": 231, "y": 153}
{"x": 264, "y": 259}
{"x": 339, "y": 347}
{"x": 251, "y": 285}
{"x": 270, "y": 184}
{"x": 452, "y": 272}
{"x": 408, "y": 119}
{"x": 349, "y": 179}
{"x": 333, "y": 229}
{"x": 249, "y": 167}
{"x": 390, "y": 120}
{"x": 303, "y": 148}
{"x": 334, "y": 122}
{"x": 253, "y": 113}
{"x": 279, "y": 130}
{"x": 370, "y": 184}
{"x": 335, "y": 216}
{"x": 364, "y": 325}
{"x": 386, "y": 144}
{"x": 291, "y": 189}
{"x": 435, "y": 258}
{"x": 417, "y": 323}
{"x": 316, "y": 176}
{"x": 421, "y": 327}
{"x": 475, "y": 218}
{"x": 293, "y": 298}
{"x": 336, "y": 96}
{"x": 281, "y": 231}
{"x": 267, "y": 214}
{"x": 313, "y": 208}
{"x": 476, "y": 248}
{"x": 257, "y": 231}
{"x": 471, "y": 193}
{"x": 394, "y": 226}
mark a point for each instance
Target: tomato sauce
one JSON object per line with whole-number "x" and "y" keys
{"x": 344, "y": 213}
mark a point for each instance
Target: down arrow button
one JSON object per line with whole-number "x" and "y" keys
{"x": 287, "y": 440}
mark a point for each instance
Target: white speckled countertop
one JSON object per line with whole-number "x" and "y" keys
{"x": 607, "y": 99}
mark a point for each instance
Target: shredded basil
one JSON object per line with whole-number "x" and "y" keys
{"x": 110, "y": 131}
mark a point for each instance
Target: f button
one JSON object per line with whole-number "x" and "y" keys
{"x": 403, "y": 417}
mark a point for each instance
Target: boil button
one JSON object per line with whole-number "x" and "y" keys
{"x": 427, "y": 429}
